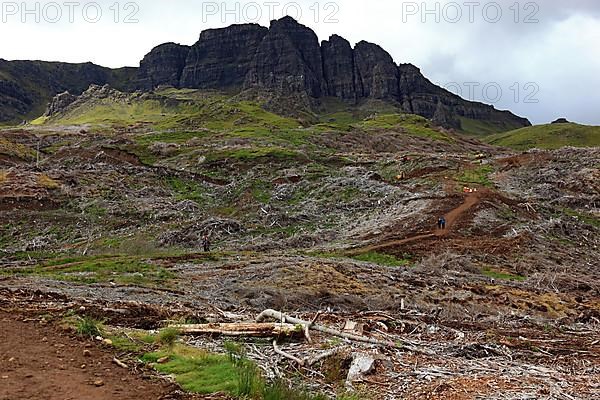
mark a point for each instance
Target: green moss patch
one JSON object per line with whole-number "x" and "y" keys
{"x": 120, "y": 270}
{"x": 382, "y": 259}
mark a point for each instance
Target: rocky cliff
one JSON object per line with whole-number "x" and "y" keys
{"x": 286, "y": 59}
{"x": 338, "y": 68}
{"x": 163, "y": 65}
{"x": 222, "y": 58}
{"x": 283, "y": 65}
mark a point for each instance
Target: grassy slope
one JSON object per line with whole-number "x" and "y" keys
{"x": 177, "y": 115}
{"x": 484, "y": 128}
{"x": 551, "y": 136}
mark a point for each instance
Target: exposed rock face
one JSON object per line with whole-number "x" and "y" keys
{"x": 162, "y": 66}
{"x": 376, "y": 73}
{"x": 221, "y": 58}
{"x": 338, "y": 68}
{"x": 279, "y": 65}
{"x": 59, "y": 103}
{"x": 561, "y": 121}
{"x": 288, "y": 60}
{"x": 443, "y": 116}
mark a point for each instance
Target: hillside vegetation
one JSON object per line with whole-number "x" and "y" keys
{"x": 331, "y": 217}
{"x": 550, "y": 136}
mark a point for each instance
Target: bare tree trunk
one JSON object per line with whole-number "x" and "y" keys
{"x": 241, "y": 329}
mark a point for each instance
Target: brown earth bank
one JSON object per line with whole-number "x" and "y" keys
{"x": 39, "y": 360}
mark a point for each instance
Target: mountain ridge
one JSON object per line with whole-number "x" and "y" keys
{"x": 285, "y": 61}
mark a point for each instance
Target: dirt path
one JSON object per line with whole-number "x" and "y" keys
{"x": 471, "y": 200}
{"x": 39, "y": 361}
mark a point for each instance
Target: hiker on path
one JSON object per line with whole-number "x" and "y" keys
{"x": 206, "y": 243}
{"x": 442, "y": 223}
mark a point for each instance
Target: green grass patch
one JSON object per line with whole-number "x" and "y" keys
{"x": 501, "y": 275}
{"x": 479, "y": 176}
{"x": 172, "y": 137}
{"x": 121, "y": 270}
{"x": 168, "y": 336}
{"x": 382, "y": 259}
{"x": 198, "y": 371}
{"x": 412, "y": 125}
{"x": 133, "y": 343}
{"x": 583, "y": 217}
{"x": 262, "y": 191}
{"x": 483, "y": 128}
{"x": 551, "y": 136}
{"x": 16, "y": 150}
{"x": 187, "y": 190}
{"x": 89, "y": 327}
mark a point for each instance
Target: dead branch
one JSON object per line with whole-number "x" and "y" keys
{"x": 272, "y": 314}
{"x": 120, "y": 363}
{"x": 286, "y": 355}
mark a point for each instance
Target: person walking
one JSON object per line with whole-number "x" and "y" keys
{"x": 206, "y": 243}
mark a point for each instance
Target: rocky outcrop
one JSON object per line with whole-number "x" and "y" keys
{"x": 64, "y": 103}
{"x": 222, "y": 58}
{"x": 338, "y": 68}
{"x": 288, "y": 60}
{"x": 59, "y": 103}
{"x": 561, "y": 121}
{"x": 162, "y": 66}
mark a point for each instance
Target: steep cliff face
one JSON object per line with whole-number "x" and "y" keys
{"x": 375, "y": 72}
{"x": 338, "y": 68}
{"x": 162, "y": 66}
{"x": 222, "y": 58}
{"x": 288, "y": 60}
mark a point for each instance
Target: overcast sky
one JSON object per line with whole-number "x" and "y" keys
{"x": 539, "y": 59}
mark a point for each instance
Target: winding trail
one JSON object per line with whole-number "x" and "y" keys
{"x": 471, "y": 200}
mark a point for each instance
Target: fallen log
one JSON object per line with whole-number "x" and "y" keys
{"x": 242, "y": 329}
{"x": 276, "y": 315}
